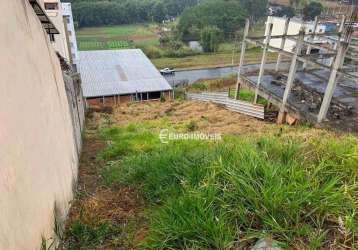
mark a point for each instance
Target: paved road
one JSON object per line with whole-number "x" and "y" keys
{"x": 190, "y": 76}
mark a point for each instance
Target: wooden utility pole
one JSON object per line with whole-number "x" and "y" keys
{"x": 291, "y": 77}
{"x": 242, "y": 57}
{"x": 263, "y": 60}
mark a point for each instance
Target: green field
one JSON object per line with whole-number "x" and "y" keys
{"x": 117, "y": 37}
{"x": 145, "y": 37}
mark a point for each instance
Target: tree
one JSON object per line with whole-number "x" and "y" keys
{"x": 255, "y": 8}
{"x": 211, "y": 37}
{"x": 286, "y": 11}
{"x": 311, "y": 10}
{"x": 227, "y": 16}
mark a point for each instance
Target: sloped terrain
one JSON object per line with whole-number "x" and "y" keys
{"x": 294, "y": 185}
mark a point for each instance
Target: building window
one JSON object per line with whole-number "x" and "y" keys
{"x": 51, "y": 6}
{"x": 321, "y": 30}
{"x": 52, "y": 37}
{"x": 69, "y": 33}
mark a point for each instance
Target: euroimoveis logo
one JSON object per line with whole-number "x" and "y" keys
{"x": 165, "y": 136}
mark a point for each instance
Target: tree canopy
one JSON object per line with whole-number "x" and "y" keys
{"x": 211, "y": 38}
{"x": 311, "y": 10}
{"x": 115, "y": 12}
{"x": 227, "y": 16}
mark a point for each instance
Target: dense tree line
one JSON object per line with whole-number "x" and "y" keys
{"x": 227, "y": 15}
{"x": 111, "y": 12}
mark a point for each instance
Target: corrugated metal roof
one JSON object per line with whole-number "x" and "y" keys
{"x": 119, "y": 72}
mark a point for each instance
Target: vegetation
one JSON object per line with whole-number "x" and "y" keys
{"x": 203, "y": 195}
{"x": 221, "y": 58}
{"x": 286, "y": 11}
{"x": 211, "y": 38}
{"x": 89, "y": 13}
{"x": 227, "y": 16}
{"x": 225, "y": 84}
{"x": 311, "y": 10}
{"x": 117, "y": 37}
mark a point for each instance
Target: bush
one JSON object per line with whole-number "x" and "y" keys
{"x": 182, "y": 52}
{"x": 211, "y": 37}
{"x": 152, "y": 52}
{"x": 198, "y": 86}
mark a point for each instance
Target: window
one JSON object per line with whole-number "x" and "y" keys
{"x": 51, "y": 6}
{"x": 52, "y": 37}
{"x": 321, "y": 30}
{"x": 310, "y": 31}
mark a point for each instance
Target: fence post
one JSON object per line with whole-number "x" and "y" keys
{"x": 291, "y": 77}
{"x": 242, "y": 57}
{"x": 263, "y": 61}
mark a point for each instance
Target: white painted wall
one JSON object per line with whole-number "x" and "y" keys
{"x": 293, "y": 29}
{"x": 38, "y": 159}
{"x": 68, "y": 17}
{"x": 61, "y": 43}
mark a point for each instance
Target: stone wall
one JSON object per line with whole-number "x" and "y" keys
{"x": 39, "y": 131}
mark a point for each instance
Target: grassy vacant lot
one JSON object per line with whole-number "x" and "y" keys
{"x": 297, "y": 186}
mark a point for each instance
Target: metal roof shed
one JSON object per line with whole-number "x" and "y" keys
{"x": 119, "y": 72}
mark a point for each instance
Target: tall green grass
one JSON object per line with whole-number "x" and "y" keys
{"x": 206, "y": 195}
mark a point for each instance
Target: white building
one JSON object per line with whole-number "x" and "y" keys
{"x": 53, "y": 10}
{"x": 293, "y": 29}
{"x": 71, "y": 33}
{"x": 61, "y": 16}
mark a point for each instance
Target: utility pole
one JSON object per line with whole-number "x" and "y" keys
{"x": 242, "y": 57}
{"x": 263, "y": 60}
{"x": 291, "y": 76}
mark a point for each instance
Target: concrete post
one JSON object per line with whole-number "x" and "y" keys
{"x": 311, "y": 39}
{"x": 341, "y": 27}
{"x": 283, "y": 42}
{"x": 242, "y": 56}
{"x": 332, "y": 83}
{"x": 291, "y": 77}
{"x": 263, "y": 61}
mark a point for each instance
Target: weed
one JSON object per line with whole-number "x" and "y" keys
{"x": 220, "y": 195}
{"x": 192, "y": 126}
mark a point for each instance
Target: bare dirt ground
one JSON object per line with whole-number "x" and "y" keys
{"x": 209, "y": 117}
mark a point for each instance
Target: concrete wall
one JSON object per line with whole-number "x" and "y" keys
{"x": 38, "y": 155}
